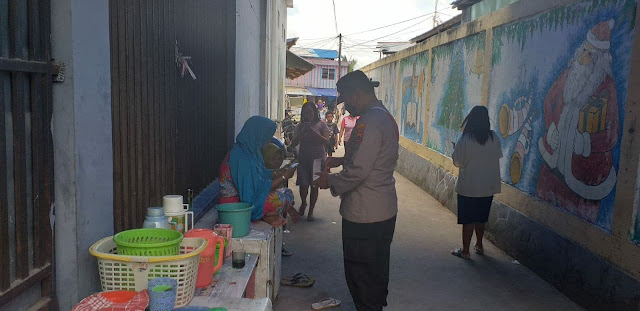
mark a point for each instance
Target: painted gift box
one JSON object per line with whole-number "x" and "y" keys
{"x": 593, "y": 115}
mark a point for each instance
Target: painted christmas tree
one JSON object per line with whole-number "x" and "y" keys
{"x": 453, "y": 101}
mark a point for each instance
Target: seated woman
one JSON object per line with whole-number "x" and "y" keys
{"x": 244, "y": 176}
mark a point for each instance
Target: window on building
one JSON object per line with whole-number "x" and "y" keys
{"x": 328, "y": 74}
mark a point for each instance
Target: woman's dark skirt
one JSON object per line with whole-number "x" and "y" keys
{"x": 473, "y": 210}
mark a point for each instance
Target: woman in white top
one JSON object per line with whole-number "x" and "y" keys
{"x": 477, "y": 154}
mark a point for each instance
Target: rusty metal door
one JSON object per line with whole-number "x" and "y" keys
{"x": 26, "y": 155}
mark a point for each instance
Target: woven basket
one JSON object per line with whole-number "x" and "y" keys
{"x": 122, "y": 272}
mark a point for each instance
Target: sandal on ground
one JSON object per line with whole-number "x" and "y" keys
{"x": 478, "y": 250}
{"x": 294, "y": 276}
{"x": 458, "y": 253}
{"x": 325, "y": 303}
{"x": 298, "y": 280}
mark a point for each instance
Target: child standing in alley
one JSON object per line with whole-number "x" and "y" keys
{"x": 333, "y": 133}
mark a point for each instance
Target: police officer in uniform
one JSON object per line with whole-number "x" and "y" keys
{"x": 367, "y": 188}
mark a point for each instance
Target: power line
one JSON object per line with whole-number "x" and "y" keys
{"x": 408, "y": 33}
{"x": 320, "y": 41}
{"x": 311, "y": 39}
{"x": 361, "y": 43}
{"x": 331, "y": 43}
{"x": 320, "y": 45}
{"x": 401, "y": 22}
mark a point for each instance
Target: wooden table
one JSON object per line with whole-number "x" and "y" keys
{"x": 230, "y": 286}
{"x": 230, "y": 282}
{"x": 233, "y": 304}
{"x": 265, "y": 241}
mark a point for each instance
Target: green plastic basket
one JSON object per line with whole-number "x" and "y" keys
{"x": 148, "y": 242}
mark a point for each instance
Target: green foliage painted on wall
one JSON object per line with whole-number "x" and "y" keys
{"x": 555, "y": 20}
{"x": 471, "y": 43}
{"x": 421, "y": 59}
{"x": 453, "y": 100}
{"x": 431, "y": 144}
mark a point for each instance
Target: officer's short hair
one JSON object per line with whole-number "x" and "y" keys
{"x": 355, "y": 80}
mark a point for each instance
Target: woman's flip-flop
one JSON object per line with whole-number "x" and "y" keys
{"x": 298, "y": 280}
{"x": 325, "y": 303}
{"x": 458, "y": 253}
{"x": 294, "y": 276}
{"x": 478, "y": 250}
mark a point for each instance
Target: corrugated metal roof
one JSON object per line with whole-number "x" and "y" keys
{"x": 297, "y": 90}
{"x": 291, "y": 42}
{"x": 314, "y": 53}
{"x": 297, "y": 66}
{"x": 325, "y": 62}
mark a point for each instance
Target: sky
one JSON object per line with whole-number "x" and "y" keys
{"x": 313, "y": 22}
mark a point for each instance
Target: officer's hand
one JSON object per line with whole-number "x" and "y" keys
{"x": 332, "y": 162}
{"x": 323, "y": 181}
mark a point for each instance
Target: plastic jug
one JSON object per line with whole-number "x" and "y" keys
{"x": 206, "y": 268}
{"x": 156, "y": 219}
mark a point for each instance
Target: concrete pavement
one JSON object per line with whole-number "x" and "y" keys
{"x": 424, "y": 276}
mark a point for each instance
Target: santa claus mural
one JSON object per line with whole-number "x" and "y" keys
{"x": 581, "y": 120}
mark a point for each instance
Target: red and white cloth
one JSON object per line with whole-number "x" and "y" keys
{"x": 110, "y": 301}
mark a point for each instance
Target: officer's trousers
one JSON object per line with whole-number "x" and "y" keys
{"x": 366, "y": 248}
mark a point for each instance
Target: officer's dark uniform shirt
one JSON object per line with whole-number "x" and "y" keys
{"x": 366, "y": 183}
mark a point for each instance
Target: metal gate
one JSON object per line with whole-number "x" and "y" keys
{"x": 170, "y": 129}
{"x": 26, "y": 155}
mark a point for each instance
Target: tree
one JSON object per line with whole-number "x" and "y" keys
{"x": 352, "y": 63}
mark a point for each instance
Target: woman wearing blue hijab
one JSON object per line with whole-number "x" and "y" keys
{"x": 245, "y": 178}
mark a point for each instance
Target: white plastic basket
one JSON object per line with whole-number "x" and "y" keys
{"x": 120, "y": 272}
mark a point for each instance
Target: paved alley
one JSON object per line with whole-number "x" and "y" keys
{"x": 424, "y": 276}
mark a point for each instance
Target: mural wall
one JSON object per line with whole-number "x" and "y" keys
{"x": 387, "y": 89}
{"x": 413, "y": 85}
{"x": 375, "y": 76}
{"x": 456, "y": 86}
{"x": 558, "y": 88}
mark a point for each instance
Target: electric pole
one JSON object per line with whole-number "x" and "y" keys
{"x": 435, "y": 16}
{"x": 339, "y": 56}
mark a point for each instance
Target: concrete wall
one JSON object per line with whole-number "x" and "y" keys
{"x": 260, "y": 59}
{"x": 566, "y": 207}
{"x": 249, "y": 60}
{"x": 83, "y": 162}
{"x": 485, "y": 7}
{"x": 277, "y": 58}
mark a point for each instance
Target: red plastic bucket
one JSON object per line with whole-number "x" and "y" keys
{"x": 206, "y": 269}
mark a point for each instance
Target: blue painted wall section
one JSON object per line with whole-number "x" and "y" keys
{"x": 413, "y": 84}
